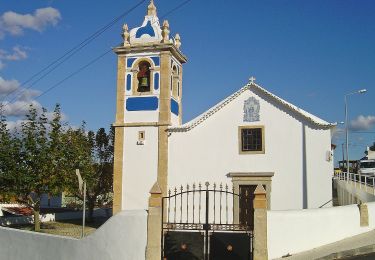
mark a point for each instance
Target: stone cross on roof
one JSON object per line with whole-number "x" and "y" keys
{"x": 252, "y": 79}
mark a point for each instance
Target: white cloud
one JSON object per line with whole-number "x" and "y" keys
{"x": 8, "y": 86}
{"x": 362, "y": 123}
{"x": 337, "y": 132}
{"x": 15, "y": 23}
{"x": 19, "y": 53}
{"x": 27, "y": 94}
{"x": 20, "y": 108}
{"x": 14, "y": 125}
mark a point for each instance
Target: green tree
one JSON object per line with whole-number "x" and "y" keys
{"x": 92, "y": 153}
{"x": 9, "y": 151}
{"x": 37, "y": 160}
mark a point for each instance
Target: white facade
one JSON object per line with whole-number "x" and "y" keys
{"x": 140, "y": 166}
{"x": 209, "y": 151}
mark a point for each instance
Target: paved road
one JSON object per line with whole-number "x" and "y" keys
{"x": 370, "y": 256}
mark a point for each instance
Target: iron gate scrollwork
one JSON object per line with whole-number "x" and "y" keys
{"x": 201, "y": 223}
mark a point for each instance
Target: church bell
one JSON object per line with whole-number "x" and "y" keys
{"x": 144, "y": 82}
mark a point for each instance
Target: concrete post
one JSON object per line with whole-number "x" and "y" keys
{"x": 363, "y": 213}
{"x": 260, "y": 224}
{"x": 153, "y": 250}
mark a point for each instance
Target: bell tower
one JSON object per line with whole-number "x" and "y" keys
{"x": 149, "y": 90}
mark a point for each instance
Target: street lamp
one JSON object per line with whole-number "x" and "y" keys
{"x": 362, "y": 91}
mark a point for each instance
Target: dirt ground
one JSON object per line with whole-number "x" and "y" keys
{"x": 70, "y": 228}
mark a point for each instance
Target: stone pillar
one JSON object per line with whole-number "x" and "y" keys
{"x": 260, "y": 224}
{"x": 363, "y": 213}
{"x": 119, "y": 136}
{"x": 153, "y": 249}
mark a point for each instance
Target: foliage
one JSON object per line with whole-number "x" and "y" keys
{"x": 42, "y": 157}
{"x": 94, "y": 158}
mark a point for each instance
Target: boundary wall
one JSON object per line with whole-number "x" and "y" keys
{"x": 350, "y": 192}
{"x": 122, "y": 237}
{"x": 295, "y": 231}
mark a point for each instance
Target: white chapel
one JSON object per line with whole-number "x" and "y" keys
{"x": 251, "y": 137}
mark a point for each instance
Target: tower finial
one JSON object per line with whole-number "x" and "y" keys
{"x": 151, "y": 9}
{"x": 165, "y": 32}
{"x": 125, "y": 35}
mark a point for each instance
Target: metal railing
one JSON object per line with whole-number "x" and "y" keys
{"x": 363, "y": 181}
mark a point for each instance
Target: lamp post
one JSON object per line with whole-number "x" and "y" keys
{"x": 347, "y": 129}
{"x": 81, "y": 183}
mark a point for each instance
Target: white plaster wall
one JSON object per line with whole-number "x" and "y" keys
{"x": 140, "y": 167}
{"x": 319, "y": 170}
{"x": 141, "y": 116}
{"x": 296, "y": 231}
{"x": 371, "y": 212}
{"x": 175, "y": 120}
{"x": 211, "y": 150}
{"x": 123, "y": 236}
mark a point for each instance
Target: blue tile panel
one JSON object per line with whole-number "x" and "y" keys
{"x": 174, "y": 107}
{"x": 156, "y": 81}
{"x": 156, "y": 61}
{"x": 142, "y": 104}
{"x": 128, "y": 82}
{"x": 145, "y": 30}
{"x": 130, "y": 61}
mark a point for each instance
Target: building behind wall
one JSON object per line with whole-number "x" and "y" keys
{"x": 251, "y": 137}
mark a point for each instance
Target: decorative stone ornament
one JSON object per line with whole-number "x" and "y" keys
{"x": 252, "y": 80}
{"x": 165, "y": 32}
{"x": 177, "y": 41}
{"x": 149, "y": 31}
{"x": 126, "y": 35}
{"x": 151, "y": 9}
{"x": 251, "y": 109}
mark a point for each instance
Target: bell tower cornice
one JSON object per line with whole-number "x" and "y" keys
{"x": 153, "y": 47}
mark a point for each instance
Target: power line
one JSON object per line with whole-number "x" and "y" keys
{"x": 67, "y": 55}
{"x": 80, "y": 46}
{"x": 95, "y": 59}
{"x": 74, "y": 73}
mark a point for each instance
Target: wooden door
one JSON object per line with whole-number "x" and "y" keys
{"x": 246, "y": 210}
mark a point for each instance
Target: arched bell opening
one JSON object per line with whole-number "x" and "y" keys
{"x": 144, "y": 77}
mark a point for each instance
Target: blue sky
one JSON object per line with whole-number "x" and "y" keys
{"x": 310, "y": 53}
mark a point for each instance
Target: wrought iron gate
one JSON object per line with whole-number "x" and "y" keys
{"x": 202, "y": 223}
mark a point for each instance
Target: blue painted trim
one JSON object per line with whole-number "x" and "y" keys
{"x": 156, "y": 80}
{"x": 174, "y": 107}
{"x": 142, "y": 104}
{"x": 130, "y": 62}
{"x": 128, "y": 82}
{"x": 145, "y": 30}
{"x": 156, "y": 61}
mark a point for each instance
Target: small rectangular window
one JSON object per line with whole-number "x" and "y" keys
{"x": 251, "y": 139}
